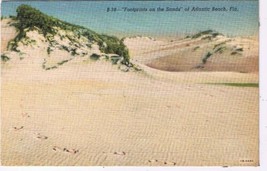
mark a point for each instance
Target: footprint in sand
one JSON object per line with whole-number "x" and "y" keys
{"x": 153, "y": 161}
{"x": 120, "y": 153}
{"x": 165, "y": 162}
{"x": 71, "y": 151}
{"x": 18, "y": 128}
{"x": 170, "y": 163}
{"x": 56, "y": 148}
{"x": 41, "y": 137}
{"x": 25, "y": 115}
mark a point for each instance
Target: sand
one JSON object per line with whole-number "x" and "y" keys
{"x": 186, "y": 54}
{"x": 10, "y": 33}
{"x": 90, "y": 113}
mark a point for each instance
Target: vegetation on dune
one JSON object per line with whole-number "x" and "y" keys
{"x": 238, "y": 84}
{"x": 240, "y": 49}
{"x": 206, "y": 57}
{"x": 111, "y": 44}
{"x": 218, "y": 45}
{"x": 4, "y": 58}
{"x": 115, "y": 59}
{"x": 237, "y": 51}
{"x": 95, "y": 56}
{"x": 195, "y": 48}
{"x": 211, "y": 33}
{"x": 62, "y": 62}
{"x": 29, "y": 18}
{"x": 220, "y": 49}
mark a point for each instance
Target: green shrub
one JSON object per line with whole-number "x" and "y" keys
{"x": 65, "y": 48}
{"x": 73, "y": 52}
{"x": 235, "y": 53}
{"x": 220, "y": 49}
{"x": 206, "y": 32}
{"x": 206, "y": 57}
{"x": 62, "y": 62}
{"x": 49, "y": 50}
{"x": 239, "y": 49}
{"x": 95, "y": 56}
{"x": 238, "y": 84}
{"x": 219, "y": 44}
{"x": 207, "y": 37}
{"x": 4, "y": 58}
{"x": 115, "y": 59}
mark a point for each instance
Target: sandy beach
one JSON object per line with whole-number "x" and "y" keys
{"x": 90, "y": 113}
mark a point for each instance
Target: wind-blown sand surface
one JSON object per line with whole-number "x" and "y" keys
{"x": 94, "y": 114}
{"x": 186, "y": 54}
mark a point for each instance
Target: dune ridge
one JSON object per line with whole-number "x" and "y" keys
{"x": 204, "y": 51}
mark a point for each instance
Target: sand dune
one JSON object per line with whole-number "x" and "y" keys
{"x": 228, "y": 54}
{"x": 89, "y": 112}
{"x": 10, "y": 33}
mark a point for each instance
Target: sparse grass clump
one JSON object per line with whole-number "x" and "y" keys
{"x": 4, "y": 58}
{"x": 234, "y": 53}
{"x": 218, "y": 45}
{"x": 65, "y": 48}
{"x": 95, "y": 56}
{"x": 212, "y": 34}
{"x": 196, "y": 48}
{"x": 115, "y": 59}
{"x": 73, "y": 52}
{"x": 239, "y": 49}
{"x": 220, "y": 49}
{"x": 49, "y": 50}
{"x": 238, "y": 84}
{"x": 111, "y": 44}
{"x": 206, "y": 57}
{"x": 62, "y": 62}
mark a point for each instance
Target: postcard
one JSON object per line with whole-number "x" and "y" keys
{"x": 130, "y": 83}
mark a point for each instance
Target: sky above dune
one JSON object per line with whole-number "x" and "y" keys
{"x": 124, "y": 21}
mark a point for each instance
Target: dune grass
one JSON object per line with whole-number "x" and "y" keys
{"x": 4, "y": 58}
{"x": 29, "y": 18}
{"x": 212, "y": 34}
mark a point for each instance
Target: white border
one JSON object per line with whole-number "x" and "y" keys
{"x": 263, "y": 123}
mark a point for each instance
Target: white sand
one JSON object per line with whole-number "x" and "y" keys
{"x": 91, "y": 113}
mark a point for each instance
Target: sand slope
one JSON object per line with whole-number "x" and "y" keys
{"x": 228, "y": 54}
{"x": 91, "y": 113}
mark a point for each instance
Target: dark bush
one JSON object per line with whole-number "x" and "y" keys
{"x": 4, "y": 58}
{"x": 206, "y": 57}
{"x": 95, "y": 56}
